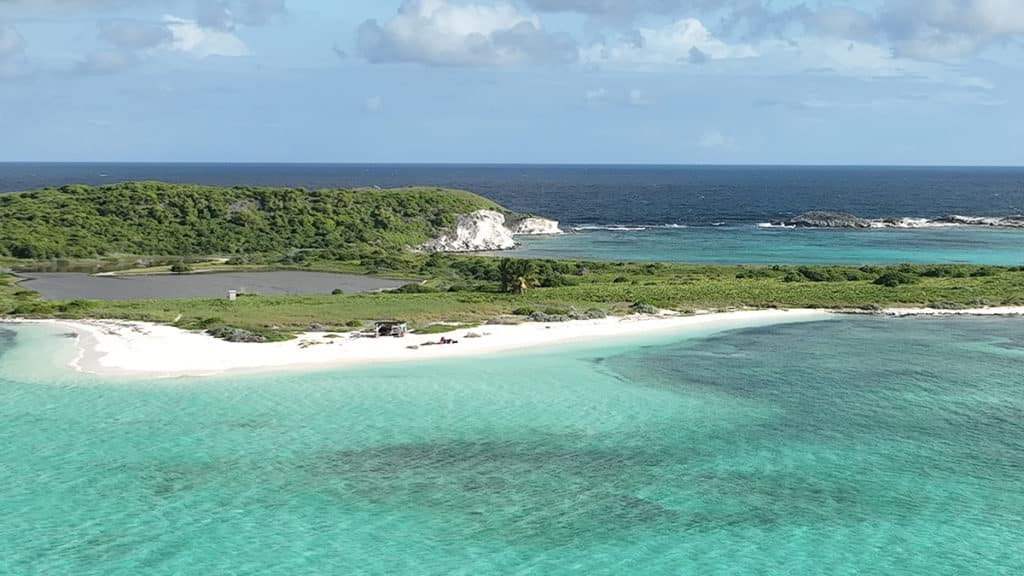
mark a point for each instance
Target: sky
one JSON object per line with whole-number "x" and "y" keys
{"x": 906, "y": 82}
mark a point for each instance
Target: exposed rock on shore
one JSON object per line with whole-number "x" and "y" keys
{"x": 487, "y": 230}
{"x": 480, "y": 231}
{"x": 534, "y": 226}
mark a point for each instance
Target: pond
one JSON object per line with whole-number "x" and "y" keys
{"x": 77, "y": 286}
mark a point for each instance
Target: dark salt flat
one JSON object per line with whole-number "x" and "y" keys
{"x": 75, "y": 286}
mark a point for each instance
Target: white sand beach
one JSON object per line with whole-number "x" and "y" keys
{"x": 138, "y": 349}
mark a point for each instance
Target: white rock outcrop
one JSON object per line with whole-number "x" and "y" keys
{"x": 480, "y": 231}
{"x": 536, "y": 227}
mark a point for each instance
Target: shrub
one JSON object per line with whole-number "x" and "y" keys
{"x": 643, "y": 308}
{"x": 354, "y": 324}
{"x": 814, "y": 275}
{"x": 180, "y": 268}
{"x": 337, "y": 292}
{"x": 522, "y": 311}
{"x": 236, "y": 335}
{"x": 416, "y": 289}
{"x": 944, "y": 272}
{"x": 544, "y": 317}
{"x": 894, "y": 278}
{"x": 208, "y": 322}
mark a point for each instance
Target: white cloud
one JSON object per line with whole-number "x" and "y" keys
{"x": 134, "y": 34}
{"x": 443, "y": 33}
{"x": 948, "y": 30}
{"x": 595, "y": 95}
{"x": 843, "y": 22}
{"x": 106, "y": 62}
{"x": 638, "y": 97}
{"x": 715, "y": 140}
{"x": 11, "y": 41}
{"x": 684, "y": 41}
{"x": 190, "y": 37}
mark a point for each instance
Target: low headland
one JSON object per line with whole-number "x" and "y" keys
{"x": 424, "y": 237}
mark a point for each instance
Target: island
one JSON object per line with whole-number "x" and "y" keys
{"x": 423, "y": 245}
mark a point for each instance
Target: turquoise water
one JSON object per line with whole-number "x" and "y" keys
{"x": 752, "y": 245}
{"x": 756, "y": 451}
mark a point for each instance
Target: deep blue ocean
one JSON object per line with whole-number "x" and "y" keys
{"x": 606, "y": 195}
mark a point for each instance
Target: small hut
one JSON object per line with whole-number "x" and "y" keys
{"x": 395, "y": 328}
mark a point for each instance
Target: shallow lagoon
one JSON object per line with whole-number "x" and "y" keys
{"x": 75, "y": 286}
{"x": 755, "y": 451}
{"x": 753, "y": 245}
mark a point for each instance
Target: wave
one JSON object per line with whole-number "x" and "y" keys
{"x": 610, "y": 228}
{"x": 829, "y": 220}
{"x": 842, "y": 220}
{"x": 626, "y": 227}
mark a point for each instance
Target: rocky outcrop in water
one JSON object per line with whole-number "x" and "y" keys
{"x": 822, "y": 219}
{"x": 535, "y": 226}
{"x": 482, "y": 230}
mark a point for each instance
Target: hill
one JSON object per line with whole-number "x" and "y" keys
{"x": 155, "y": 218}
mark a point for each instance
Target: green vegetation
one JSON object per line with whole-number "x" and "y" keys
{"x": 515, "y": 275}
{"x": 153, "y": 218}
{"x": 443, "y": 328}
{"x": 468, "y": 289}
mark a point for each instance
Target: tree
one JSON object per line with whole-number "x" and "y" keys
{"x": 515, "y": 275}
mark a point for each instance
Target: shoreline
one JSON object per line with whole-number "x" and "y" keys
{"x": 114, "y": 348}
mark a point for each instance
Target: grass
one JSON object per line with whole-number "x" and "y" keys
{"x": 613, "y": 287}
{"x": 443, "y": 328}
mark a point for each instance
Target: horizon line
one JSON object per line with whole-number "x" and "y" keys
{"x": 495, "y": 164}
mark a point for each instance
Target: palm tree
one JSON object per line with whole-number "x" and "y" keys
{"x": 515, "y": 275}
{"x": 520, "y": 285}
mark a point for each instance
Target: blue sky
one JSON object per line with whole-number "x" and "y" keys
{"x": 577, "y": 81}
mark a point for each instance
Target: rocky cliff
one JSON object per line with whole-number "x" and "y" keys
{"x": 480, "y": 231}
{"x": 486, "y": 230}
